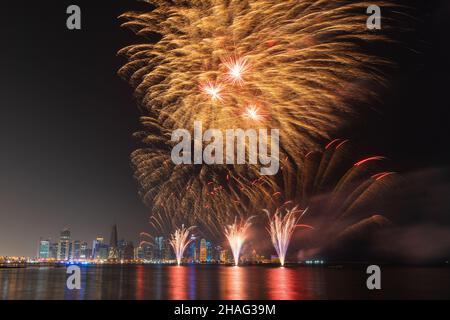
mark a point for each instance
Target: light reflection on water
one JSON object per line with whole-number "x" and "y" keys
{"x": 222, "y": 282}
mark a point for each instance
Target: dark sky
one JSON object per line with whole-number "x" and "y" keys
{"x": 66, "y": 119}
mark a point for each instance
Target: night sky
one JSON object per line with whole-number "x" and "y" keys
{"x": 66, "y": 119}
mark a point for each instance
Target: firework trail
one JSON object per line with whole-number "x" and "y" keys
{"x": 342, "y": 195}
{"x": 236, "y": 235}
{"x": 281, "y": 228}
{"x": 290, "y": 65}
{"x": 179, "y": 241}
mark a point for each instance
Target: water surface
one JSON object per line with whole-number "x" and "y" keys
{"x": 223, "y": 282}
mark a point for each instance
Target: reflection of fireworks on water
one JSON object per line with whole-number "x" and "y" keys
{"x": 304, "y": 62}
{"x": 281, "y": 228}
{"x": 236, "y": 234}
{"x": 179, "y": 241}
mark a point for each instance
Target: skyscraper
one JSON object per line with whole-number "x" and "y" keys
{"x": 167, "y": 250}
{"x": 209, "y": 252}
{"x": 54, "y": 250}
{"x": 76, "y": 250}
{"x": 44, "y": 249}
{"x": 64, "y": 245}
{"x": 192, "y": 251}
{"x": 139, "y": 253}
{"x": 224, "y": 256}
{"x": 128, "y": 251}
{"x": 84, "y": 254}
{"x": 99, "y": 249}
{"x": 113, "y": 249}
{"x": 203, "y": 251}
{"x": 148, "y": 252}
{"x": 159, "y": 248}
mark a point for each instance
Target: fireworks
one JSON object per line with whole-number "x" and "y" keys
{"x": 305, "y": 61}
{"x": 281, "y": 229}
{"x": 236, "y": 68}
{"x": 213, "y": 90}
{"x": 236, "y": 234}
{"x": 253, "y": 113}
{"x": 179, "y": 241}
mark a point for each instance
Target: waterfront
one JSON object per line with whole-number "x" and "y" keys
{"x": 150, "y": 282}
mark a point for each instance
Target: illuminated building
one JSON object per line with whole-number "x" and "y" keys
{"x": 64, "y": 246}
{"x": 148, "y": 252}
{"x": 209, "y": 252}
{"x": 274, "y": 259}
{"x": 159, "y": 247}
{"x": 224, "y": 256}
{"x": 216, "y": 253}
{"x": 203, "y": 251}
{"x": 125, "y": 250}
{"x": 84, "y": 251}
{"x": 167, "y": 251}
{"x": 76, "y": 250}
{"x": 113, "y": 246}
{"x": 99, "y": 249}
{"x": 192, "y": 252}
{"x": 139, "y": 253}
{"x": 44, "y": 249}
{"x": 54, "y": 250}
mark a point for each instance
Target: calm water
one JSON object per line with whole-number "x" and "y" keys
{"x": 221, "y": 282}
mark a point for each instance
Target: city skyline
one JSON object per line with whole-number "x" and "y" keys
{"x": 75, "y": 171}
{"x": 199, "y": 250}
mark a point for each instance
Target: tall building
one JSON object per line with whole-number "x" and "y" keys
{"x": 148, "y": 252}
{"x": 76, "y": 250}
{"x": 159, "y": 248}
{"x": 139, "y": 253}
{"x": 44, "y": 249}
{"x": 224, "y": 256}
{"x": 128, "y": 251}
{"x": 209, "y": 251}
{"x": 203, "y": 251}
{"x": 99, "y": 249}
{"x": 113, "y": 249}
{"x": 121, "y": 246}
{"x": 192, "y": 251}
{"x": 167, "y": 250}
{"x": 64, "y": 246}
{"x": 84, "y": 251}
{"x": 54, "y": 250}
{"x": 216, "y": 253}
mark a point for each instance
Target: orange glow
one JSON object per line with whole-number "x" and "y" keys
{"x": 140, "y": 273}
{"x": 253, "y": 113}
{"x": 213, "y": 90}
{"x": 178, "y": 288}
{"x": 237, "y": 68}
{"x": 234, "y": 283}
{"x": 288, "y": 284}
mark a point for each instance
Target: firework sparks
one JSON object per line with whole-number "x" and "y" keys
{"x": 213, "y": 90}
{"x": 236, "y": 234}
{"x": 281, "y": 228}
{"x": 236, "y": 69}
{"x": 252, "y": 112}
{"x": 179, "y": 241}
{"x": 235, "y": 52}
